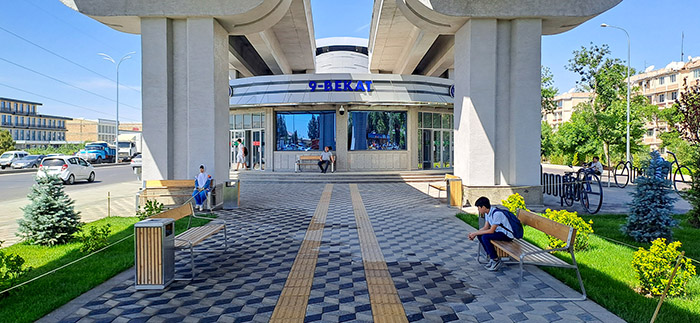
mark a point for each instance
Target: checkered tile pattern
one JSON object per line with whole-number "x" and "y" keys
{"x": 430, "y": 260}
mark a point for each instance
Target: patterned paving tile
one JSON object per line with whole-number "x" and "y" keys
{"x": 429, "y": 259}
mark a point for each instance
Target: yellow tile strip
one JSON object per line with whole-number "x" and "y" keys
{"x": 383, "y": 297}
{"x": 291, "y": 306}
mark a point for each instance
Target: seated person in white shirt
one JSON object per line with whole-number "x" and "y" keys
{"x": 596, "y": 166}
{"x": 496, "y": 227}
{"x": 325, "y": 159}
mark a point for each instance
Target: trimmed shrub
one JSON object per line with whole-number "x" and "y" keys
{"x": 95, "y": 238}
{"x": 11, "y": 269}
{"x": 152, "y": 207}
{"x": 650, "y": 215}
{"x": 583, "y": 228}
{"x": 50, "y": 218}
{"x": 514, "y": 202}
{"x": 654, "y": 267}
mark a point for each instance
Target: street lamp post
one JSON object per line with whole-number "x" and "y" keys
{"x": 116, "y": 129}
{"x": 628, "y": 85}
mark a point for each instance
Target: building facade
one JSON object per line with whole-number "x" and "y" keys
{"x": 565, "y": 107}
{"x": 661, "y": 87}
{"x": 493, "y": 48}
{"x": 83, "y": 130}
{"x": 28, "y": 128}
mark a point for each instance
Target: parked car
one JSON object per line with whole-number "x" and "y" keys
{"x": 136, "y": 161}
{"x": 8, "y": 157}
{"x": 29, "y": 161}
{"x": 68, "y": 168}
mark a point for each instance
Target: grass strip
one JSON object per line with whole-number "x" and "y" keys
{"x": 38, "y": 298}
{"x": 606, "y": 269}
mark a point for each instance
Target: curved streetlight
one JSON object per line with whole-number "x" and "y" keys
{"x": 116, "y": 130}
{"x": 628, "y": 85}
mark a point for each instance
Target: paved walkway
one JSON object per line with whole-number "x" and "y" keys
{"x": 336, "y": 252}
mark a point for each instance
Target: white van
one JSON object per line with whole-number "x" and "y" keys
{"x": 8, "y": 157}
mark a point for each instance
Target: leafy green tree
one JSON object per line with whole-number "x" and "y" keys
{"x": 50, "y": 218}
{"x": 6, "y": 142}
{"x": 605, "y": 78}
{"x": 549, "y": 91}
{"x": 688, "y": 126}
{"x": 547, "y": 146}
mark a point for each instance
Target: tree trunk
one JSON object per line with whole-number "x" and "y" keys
{"x": 606, "y": 150}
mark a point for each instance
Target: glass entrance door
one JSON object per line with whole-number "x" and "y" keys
{"x": 235, "y": 135}
{"x": 426, "y": 156}
{"x": 258, "y": 149}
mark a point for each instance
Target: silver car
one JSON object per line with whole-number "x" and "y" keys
{"x": 30, "y": 161}
{"x": 67, "y": 168}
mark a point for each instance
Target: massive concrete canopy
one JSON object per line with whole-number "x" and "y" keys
{"x": 490, "y": 48}
{"x": 189, "y": 51}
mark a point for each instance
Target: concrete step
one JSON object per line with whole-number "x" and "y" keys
{"x": 340, "y": 177}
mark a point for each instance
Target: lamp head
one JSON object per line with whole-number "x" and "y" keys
{"x": 603, "y": 25}
{"x": 341, "y": 110}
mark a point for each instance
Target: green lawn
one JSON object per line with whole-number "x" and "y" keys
{"x": 38, "y": 298}
{"x": 610, "y": 280}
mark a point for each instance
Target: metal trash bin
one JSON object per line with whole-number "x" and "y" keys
{"x": 455, "y": 192}
{"x": 155, "y": 253}
{"x": 232, "y": 194}
{"x": 137, "y": 172}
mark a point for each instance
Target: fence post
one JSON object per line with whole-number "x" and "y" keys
{"x": 109, "y": 205}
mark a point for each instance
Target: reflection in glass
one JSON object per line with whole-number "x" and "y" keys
{"x": 427, "y": 120}
{"x": 238, "y": 121}
{"x": 377, "y": 130}
{"x": 420, "y": 120}
{"x": 247, "y": 124}
{"x": 446, "y": 121}
{"x": 256, "y": 121}
{"x": 305, "y": 130}
{"x": 437, "y": 121}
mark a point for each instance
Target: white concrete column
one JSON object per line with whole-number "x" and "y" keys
{"x": 185, "y": 97}
{"x": 475, "y": 102}
{"x": 156, "y": 96}
{"x": 341, "y": 139}
{"x": 497, "y": 102}
{"x": 412, "y": 138}
{"x": 525, "y": 103}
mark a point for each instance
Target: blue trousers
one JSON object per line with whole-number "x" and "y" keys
{"x": 199, "y": 196}
{"x": 485, "y": 241}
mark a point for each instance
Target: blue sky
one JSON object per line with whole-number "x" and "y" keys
{"x": 655, "y": 28}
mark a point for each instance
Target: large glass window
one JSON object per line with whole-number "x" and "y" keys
{"x": 377, "y": 130}
{"x": 305, "y": 130}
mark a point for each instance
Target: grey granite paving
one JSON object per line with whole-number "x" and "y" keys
{"x": 431, "y": 262}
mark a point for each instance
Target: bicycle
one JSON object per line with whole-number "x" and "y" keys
{"x": 585, "y": 187}
{"x": 626, "y": 173}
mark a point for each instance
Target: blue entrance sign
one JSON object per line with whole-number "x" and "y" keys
{"x": 341, "y": 85}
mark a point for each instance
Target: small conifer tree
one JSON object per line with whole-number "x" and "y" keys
{"x": 50, "y": 218}
{"x": 650, "y": 214}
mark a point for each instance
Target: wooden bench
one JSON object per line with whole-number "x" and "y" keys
{"x": 193, "y": 235}
{"x": 174, "y": 192}
{"x": 526, "y": 253}
{"x": 306, "y": 160}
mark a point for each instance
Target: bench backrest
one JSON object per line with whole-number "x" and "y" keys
{"x": 176, "y": 213}
{"x": 308, "y": 157}
{"x": 560, "y": 231}
{"x": 448, "y": 176}
{"x": 170, "y": 183}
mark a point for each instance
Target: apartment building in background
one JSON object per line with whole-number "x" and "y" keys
{"x": 28, "y": 128}
{"x": 661, "y": 87}
{"x": 565, "y": 107}
{"x": 81, "y": 130}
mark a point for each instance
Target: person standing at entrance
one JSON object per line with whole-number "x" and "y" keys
{"x": 326, "y": 159}
{"x": 241, "y": 155}
{"x": 496, "y": 227}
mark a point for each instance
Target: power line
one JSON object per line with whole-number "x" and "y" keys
{"x": 64, "y": 58}
{"x": 57, "y": 100}
{"x": 66, "y": 83}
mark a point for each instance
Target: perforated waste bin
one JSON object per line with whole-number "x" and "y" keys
{"x": 232, "y": 194}
{"x": 155, "y": 253}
